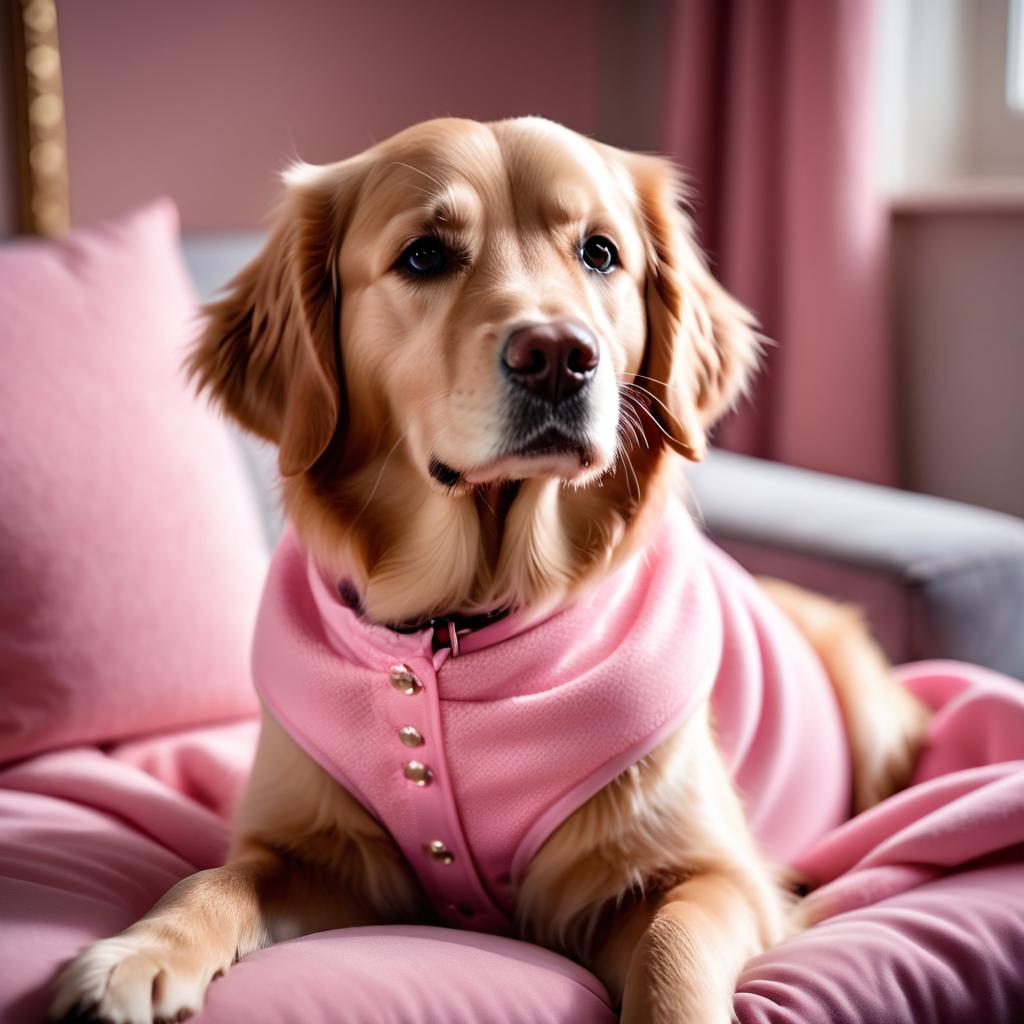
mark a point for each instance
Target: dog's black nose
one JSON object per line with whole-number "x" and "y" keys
{"x": 552, "y": 361}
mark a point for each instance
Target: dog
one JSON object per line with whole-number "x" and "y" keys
{"x": 483, "y": 352}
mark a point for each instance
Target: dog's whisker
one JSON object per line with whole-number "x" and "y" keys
{"x": 643, "y": 408}
{"x": 636, "y": 437}
{"x": 643, "y": 390}
{"x": 620, "y": 432}
{"x": 622, "y": 454}
{"x": 630, "y": 418}
{"x": 630, "y": 410}
{"x": 650, "y": 394}
{"x": 652, "y": 380}
{"x": 633, "y": 420}
{"x": 632, "y": 470}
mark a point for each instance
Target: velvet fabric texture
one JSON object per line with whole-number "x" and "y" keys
{"x": 131, "y": 554}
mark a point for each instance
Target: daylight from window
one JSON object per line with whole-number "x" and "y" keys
{"x": 1015, "y": 58}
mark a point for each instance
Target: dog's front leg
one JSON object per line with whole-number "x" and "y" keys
{"x": 306, "y": 858}
{"x": 160, "y": 967}
{"x": 670, "y": 948}
{"x": 685, "y": 966}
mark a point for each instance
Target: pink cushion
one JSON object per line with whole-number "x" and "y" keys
{"x": 88, "y": 843}
{"x": 408, "y": 975}
{"x": 130, "y": 547}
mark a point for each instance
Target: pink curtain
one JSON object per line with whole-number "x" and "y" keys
{"x": 769, "y": 107}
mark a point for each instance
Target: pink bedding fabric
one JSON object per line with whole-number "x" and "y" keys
{"x": 920, "y": 904}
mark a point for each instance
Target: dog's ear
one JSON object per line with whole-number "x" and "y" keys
{"x": 270, "y": 351}
{"x": 701, "y": 343}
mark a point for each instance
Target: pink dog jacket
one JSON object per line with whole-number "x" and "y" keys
{"x": 472, "y": 761}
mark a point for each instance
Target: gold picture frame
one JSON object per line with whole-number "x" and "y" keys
{"x": 44, "y": 206}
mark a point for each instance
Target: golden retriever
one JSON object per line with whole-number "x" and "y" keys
{"x": 412, "y": 310}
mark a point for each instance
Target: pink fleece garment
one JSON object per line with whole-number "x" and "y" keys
{"x": 528, "y": 722}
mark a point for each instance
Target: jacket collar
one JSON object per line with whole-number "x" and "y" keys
{"x": 447, "y": 631}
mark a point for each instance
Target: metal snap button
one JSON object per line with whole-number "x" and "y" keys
{"x": 404, "y": 681}
{"x": 439, "y": 852}
{"x": 418, "y": 773}
{"x": 410, "y": 736}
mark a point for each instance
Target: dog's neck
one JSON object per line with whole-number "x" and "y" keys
{"x": 414, "y": 553}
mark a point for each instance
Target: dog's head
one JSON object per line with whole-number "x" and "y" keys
{"x": 473, "y": 345}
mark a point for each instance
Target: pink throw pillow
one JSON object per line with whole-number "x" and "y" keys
{"x": 131, "y": 556}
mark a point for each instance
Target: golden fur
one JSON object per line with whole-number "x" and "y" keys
{"x": 362, "y": 378}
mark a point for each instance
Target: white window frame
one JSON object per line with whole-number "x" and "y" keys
{"x": 950, "y": 99}
{"x": 1015, "y": 58}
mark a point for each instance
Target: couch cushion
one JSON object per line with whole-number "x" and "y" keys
{"x": 88, "y": 842}
{"x": 130, "y": 547}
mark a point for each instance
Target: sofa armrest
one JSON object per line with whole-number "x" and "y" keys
{"x": 937, "y": 578}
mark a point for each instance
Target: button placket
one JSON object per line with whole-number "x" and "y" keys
{"x": 412, "y": 704}
{"x": 429, "y": 838}
{"x": 406, "y": 682}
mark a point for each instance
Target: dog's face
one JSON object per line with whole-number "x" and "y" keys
{"x": 492, "y": 284}
{"x": 469, "y": 305}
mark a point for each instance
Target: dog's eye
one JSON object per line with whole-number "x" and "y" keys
{"x": 426, "y": 257}
{"x": 599, "y": 253}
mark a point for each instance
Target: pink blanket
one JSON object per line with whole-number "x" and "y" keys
{"x": 919, "y": 907}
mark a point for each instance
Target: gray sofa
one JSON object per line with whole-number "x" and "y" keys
{"x": 937, "y": 579}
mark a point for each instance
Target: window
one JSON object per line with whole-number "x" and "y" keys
{"x": 950, "y": 109}
{"x": 1015, "y": 58}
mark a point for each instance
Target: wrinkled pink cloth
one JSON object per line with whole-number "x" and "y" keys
{"x": 921, "y": 901}
{"x": 921, "y": 898}
{"x": 531, "y": 720}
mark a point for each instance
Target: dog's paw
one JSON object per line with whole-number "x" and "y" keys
{"x": 132, "y": 979}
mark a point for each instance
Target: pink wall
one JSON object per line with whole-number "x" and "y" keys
{"x": 959, "y": 330}
{"x": 207, "y": 101}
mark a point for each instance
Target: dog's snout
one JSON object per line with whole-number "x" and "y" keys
{"x": 553, "y": 360}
